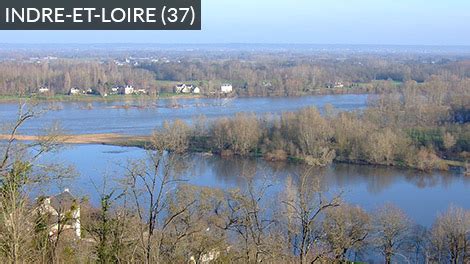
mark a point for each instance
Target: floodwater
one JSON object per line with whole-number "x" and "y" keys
{"x": 141, "y": 117}
{"x": 421, "y": 195}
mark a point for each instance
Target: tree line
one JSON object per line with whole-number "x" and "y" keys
{"x": 155, "y": 216}
{"x": 24, "y": 79}
{"x": 265, "y": 74}
{"x": 292, "y": 75}
{"x": 417, "y": 126}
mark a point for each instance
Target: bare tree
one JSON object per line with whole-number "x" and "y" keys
{"x": 305, "y": 208}
{"x": 418, "y": 245}
{"x": 346, "y": 228}
{"x": 16, "y": 172}
{"x": 312, "y": 135}
{"x": 173, "y": 137}
{"x": 248, "y": 219}
{"x": 192, "y": 233}
{"x": 391, "y": 229}
{"x": 451, "y": 236}
{"x": 149, "y": 182}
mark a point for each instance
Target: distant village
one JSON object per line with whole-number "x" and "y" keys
{"x": 225, "y": 88}
{"x": 115, "y": 90}
{"x": 182, "y": 88}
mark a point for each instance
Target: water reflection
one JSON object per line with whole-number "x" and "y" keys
{"x": 422, "y": 195}
{"x": 378, "y": 178}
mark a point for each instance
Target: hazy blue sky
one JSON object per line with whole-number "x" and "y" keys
{"x": 421, "y": 22}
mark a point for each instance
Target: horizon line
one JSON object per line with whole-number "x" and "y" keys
{"x": 232, "y": 43}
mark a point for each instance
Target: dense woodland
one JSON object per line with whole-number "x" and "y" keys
{"x": 25, "y": 78}
{"x": 265, "y": 74}
{"x": 270, "y": 76}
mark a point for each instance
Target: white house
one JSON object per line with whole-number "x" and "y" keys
{"x": 179, "y": 88}
{"x": 226, "y": 88}
{"x": 75, "y": 91}
{"x": 64, "y": 209}
{"x": 115, "y": 90}
{"x": 128, "y": 89}
{"x": 187, "y": 88}
{"x": 339, "y": 85}
{"x": 43, "y": 89}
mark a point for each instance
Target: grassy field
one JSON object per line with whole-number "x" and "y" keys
{"x": 168, "y": 86}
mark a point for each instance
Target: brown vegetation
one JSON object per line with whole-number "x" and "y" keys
{"x": 154, "y": 216}
{"x": 405, "y": 128}
{"x": 418, "y": 126}
{"x": 252, "y": 74}
{"x": 59, "y": 77}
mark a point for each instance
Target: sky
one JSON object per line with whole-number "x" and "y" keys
{"x": 382, "y": 22}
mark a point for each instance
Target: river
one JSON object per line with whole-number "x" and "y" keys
{"x": 421, "y": 195}
{"x": 141, "y": 117}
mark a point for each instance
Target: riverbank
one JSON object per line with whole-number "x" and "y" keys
{"x": 142, "y": 141}
{"x": 93, "y": 98}
{"x": 168, "y": 95}
{"x": 103, "y": 139}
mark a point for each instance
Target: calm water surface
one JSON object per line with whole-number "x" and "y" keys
{"x": 142, "y": 117}
{"x": 421, "y": 195}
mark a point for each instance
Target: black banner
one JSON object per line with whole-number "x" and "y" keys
{"x": 100, "y": 15}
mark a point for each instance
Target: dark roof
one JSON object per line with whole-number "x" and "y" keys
{"x": 63, "y": 201}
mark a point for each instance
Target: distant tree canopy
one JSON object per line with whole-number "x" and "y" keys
{"x": 265, "y": 74}
{"x": 60, "y": 76}
{"x": 274, "y": 76}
